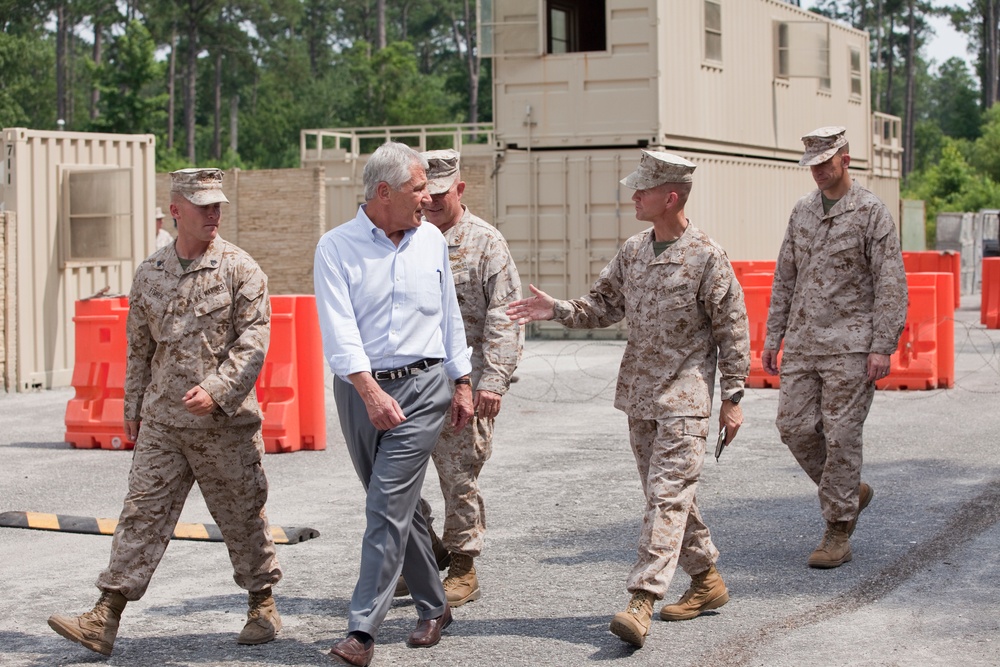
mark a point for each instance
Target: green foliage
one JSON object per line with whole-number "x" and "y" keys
{"x": 386, "y": 88}
{"x": 129, "y": 103}
{"x": 952, "y": 184}
{"x": 954, "y": 101}
{"x": 25, "y": 97}
{"x": 986, "y": 149}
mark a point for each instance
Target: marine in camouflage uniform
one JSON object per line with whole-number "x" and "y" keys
{"x": 486, "y": 282}
{"x": 198, "y": 330}
{"x": 839, "y": 304}
{"x": 676, "y": 290}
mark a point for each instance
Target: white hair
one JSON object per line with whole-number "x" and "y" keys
{"x": 392, "y": 163}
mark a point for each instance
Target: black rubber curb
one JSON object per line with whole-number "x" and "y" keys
{"x": 206, "y": 532}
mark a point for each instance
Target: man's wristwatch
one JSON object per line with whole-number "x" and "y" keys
{"x": 736, "y": 398}
{"x": 464, "y": 380}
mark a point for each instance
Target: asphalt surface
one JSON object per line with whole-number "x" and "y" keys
{"x": 564, "y": 506}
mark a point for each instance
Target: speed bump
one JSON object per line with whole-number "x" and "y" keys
{"x": 206, "y": 532}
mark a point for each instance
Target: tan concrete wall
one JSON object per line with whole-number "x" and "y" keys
{"x": 282, "y": 214}
{"x": 276, "y": 215}
{"x": 479, "y": 193}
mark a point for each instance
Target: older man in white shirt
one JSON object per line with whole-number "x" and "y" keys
{"x": 393, "y": 336}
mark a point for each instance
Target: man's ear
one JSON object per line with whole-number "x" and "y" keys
{"x": 382, "y": 191}
{"x": 845, "y": 160}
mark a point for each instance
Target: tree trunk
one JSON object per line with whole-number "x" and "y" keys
{"x": 877, "y": 93}
{"x": 234, "y": 121}
{"x": 217, "y": 117}
{"x": 990, "y": 42}
{"x": 890, "y": 65}
{"x": 472, "y": 63}
{"x": 171, "y": 87}
{"x": 191, "y": 96}
{"x": 908, "y": 121}
{"x": 61, "y": 63}
{"x": 95, "y": 90}
{"x": 380, "y": 24}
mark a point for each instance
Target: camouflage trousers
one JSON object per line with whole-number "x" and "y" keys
{"x": 459, "y": 458}
{"x": 226, "y": 463}
{"x": 822, "y": 407}
{"x": 669, "y": 454}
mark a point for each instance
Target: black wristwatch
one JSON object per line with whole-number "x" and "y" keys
{"x": 736, "y": 398}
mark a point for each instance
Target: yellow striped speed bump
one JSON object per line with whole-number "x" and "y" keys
{"x": 86, "y": 525}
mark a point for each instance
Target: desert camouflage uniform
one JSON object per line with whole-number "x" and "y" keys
{"x": 685, "y": 314}
{"x": 207, "y": 325}
{"x": 839, "y": 294}
{"x": 486, "y": 280}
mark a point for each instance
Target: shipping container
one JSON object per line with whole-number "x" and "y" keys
{"x": 84, "y": 205}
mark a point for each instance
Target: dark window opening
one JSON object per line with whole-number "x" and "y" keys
{"x": 575, "y": 25}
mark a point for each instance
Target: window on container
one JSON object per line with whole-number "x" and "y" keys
{"x": 713, "y": 31}
{"x": 802, "y": 49}
{"x": 575, "y": 25}
{"x": 824, "y": 64}
{"x": 855, "y": 72}
{"x": 97, "y": 224}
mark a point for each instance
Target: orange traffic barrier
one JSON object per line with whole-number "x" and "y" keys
{"x": 989, "y": 309}
{"x": 937, "y": 261}
{"x": 743, "y": 267}
{"x": 757, "y": 295}
{"x": 925, "y": 357}
{"x": 95, "y": 415}
{"x": 946, "y": 327}
{"x": 290, "y": 386}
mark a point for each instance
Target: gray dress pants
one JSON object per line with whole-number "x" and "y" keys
{"x": 391, "y": 465}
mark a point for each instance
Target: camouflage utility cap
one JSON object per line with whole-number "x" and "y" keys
{"x": 657, "y": 168}
{"x": 442, "y": 170}
{"x": 199, "y": 186}
{"x": 822, "y": 144}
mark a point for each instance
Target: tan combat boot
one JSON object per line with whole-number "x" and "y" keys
{"x": 835, "y": 549}
{"x": 707, "y": 591}
{"x": 263, "y": 621}
{"x": 865, "y": 495}
{"x": 461, "y": 584}
{"x": 632, "y": 625}
{"x": 95, "y": 629}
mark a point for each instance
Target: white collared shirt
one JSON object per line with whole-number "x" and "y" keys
{"x": 383, "y": 306}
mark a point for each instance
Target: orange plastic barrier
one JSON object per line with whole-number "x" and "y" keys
{"x": 95, "y": 415}
{"x": 989, "y": 309}
{"x": 743, "y": 267}
{"x": 290, "y": 386}
{"x": 757, "y": 295}
{"x": 925, "y": 357}
{"x": 935, "y": 261}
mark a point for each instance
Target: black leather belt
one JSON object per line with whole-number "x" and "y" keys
{"x": 405, "y": 371}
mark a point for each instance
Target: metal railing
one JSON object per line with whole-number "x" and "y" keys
{"x": 351, "y": 142}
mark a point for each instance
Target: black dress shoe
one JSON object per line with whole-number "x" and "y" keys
{"x": 428, "y": 632}
{"x": 352, "y": 651}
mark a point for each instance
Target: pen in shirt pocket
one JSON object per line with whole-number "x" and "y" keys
{"x": 440, "y": 276}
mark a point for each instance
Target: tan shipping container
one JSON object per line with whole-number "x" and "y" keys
{"x": 84, "y": 205}
{"x": 744, "y": 77}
